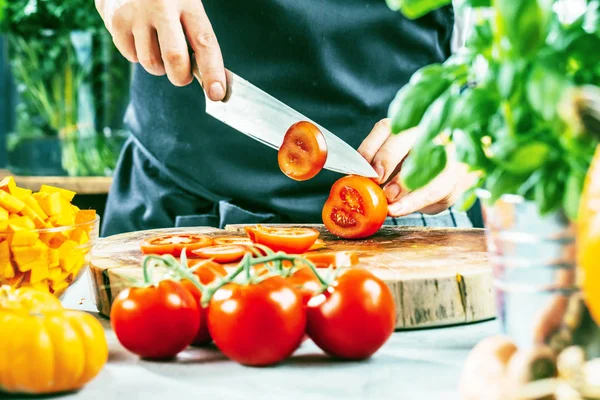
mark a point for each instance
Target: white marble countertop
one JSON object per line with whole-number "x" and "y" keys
{"x": 413, "y": 365}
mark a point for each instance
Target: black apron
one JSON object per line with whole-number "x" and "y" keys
{"x": 339, "y": 62}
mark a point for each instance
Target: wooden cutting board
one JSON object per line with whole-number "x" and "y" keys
{"x": 438, "y": 276}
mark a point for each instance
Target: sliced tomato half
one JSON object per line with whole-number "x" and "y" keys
{"x": 356, "y": 208}
{"x": 288, "y": 240}
{"x": 336, "y": 259}
{"x": 303, "y": 152}
{"x": 207, "y": 271}
{"x": 319, "y": 244}
{"x": 242, "y": 241}
{"x": 222, "y": 253}
{"x": 174, "y": 244}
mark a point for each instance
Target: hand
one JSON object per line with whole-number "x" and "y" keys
{"x": 386, "y": 152}
{"x": 154, "y": 33}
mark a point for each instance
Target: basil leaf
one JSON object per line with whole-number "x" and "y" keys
{"x": 411, "y": 102}
{"x": 524, "y": 23}
{"x": 526, "y": 158}
{"x": 435, "y": 119}
{"x": 468, "y": 149}
{"x": 548, "y": 193}
{"x": 501, "y": 182}
{"x": 572, "y": 194}
{"x": 473, "y": 3}
{"x": 473, "y": 108}
{"x": 509, "y": 77}
{"x": 413, "y": 9}
{"x": 425, "y": 162}
{"x": 545, "y": 88}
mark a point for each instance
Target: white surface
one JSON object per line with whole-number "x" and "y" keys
{"x": 414, "y": 365}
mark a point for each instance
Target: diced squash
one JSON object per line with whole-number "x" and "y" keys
{"x": 10, "y": 202}
{"x": 39, "y": 272}
{"x": 84, "y": 216}
{"x": 68, "y": 195}
{"x": 32, "y": 203}
{"x": 16, "y": 281}
{"x": 19, "y": 193}
{"x": 24, "y": 238}
{"x": 6, "y": 269}
{"x": 37, "y": 220}
{"x": 3, "y": 225}
{"x": 3, "y": 214}
{"x": 55, "y": 205}
{"x": 62, "y": 220}
{"x": 57, "y": 275}
{"x": 43, "y": 285}
{"x": 77, "y": 268}
{"x": 80, "y": 236}
{"x": 68, "y": 256}
{"x": 54, "y": 239}
{"x": 58, "y": 287}
{"x": 8, "y": 184}
{"x": 20, "y": 223}
{"x": 54, "y": 258}
{"x": 27, "y": 257}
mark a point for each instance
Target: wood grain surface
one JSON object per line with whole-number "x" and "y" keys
{"x": 79, "y": 184}
{"x": 438, "y": 276}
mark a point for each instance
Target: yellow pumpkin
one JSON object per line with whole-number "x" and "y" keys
{"x": 45, "y": 348}
{"x": 588, "y": 237}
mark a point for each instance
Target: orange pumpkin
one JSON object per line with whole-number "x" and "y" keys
{"x": 45, "y": 348}
{"x": 588, "y": 238}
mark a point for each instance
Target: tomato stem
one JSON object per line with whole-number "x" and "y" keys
{"x": 211, "y": 289}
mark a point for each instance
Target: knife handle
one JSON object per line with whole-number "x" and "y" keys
{"x": 198, "y": 75}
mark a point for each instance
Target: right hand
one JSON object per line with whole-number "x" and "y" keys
{"x": 155, "y": 33}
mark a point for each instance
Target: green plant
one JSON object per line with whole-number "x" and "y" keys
{"x": 498, "y": 102}
{"x": 70, "y": 80}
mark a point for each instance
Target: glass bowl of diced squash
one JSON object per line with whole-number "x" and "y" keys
{"x": 45, "y": 240}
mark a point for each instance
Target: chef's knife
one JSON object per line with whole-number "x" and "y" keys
{"x": 262, "y": 117}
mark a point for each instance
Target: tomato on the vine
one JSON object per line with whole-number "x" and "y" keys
{"x": 354, "y": 317}
{"x": 222, "y": 253}
{"x": 207, "y": 272}
{"x": 305, "y": 282}
{"x": 155, "y": 322}
{"x": 303, "y": 153}
{"x": 174, "y": 243}
{"x": 288, "y": 240}
{"x": 257, "y": 324}
{"x": 356, "y": 208}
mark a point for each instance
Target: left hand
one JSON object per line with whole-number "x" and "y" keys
{"x": 386, "y": 152}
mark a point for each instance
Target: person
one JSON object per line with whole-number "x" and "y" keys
{"x": 339, "y": 63}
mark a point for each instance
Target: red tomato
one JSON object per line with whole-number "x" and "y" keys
{"x": 337, "y": 259}
{"x": 354, "y": 317}
{"x": 206, "y": 273}
{"x": 303, "y": 152}
{"x": 305, "y": 282}
{"x": 356, "y": 208}
{"x": 288, "y": 240}
{"x": 257, "y": 324}
{"x": 155, "y": 322}
{"x": 174, "y": 244}
{"x": 222, "y": 253}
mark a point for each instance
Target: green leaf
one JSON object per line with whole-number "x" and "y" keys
{"x": 509, "y": 77}
{"x": 2, "y": 10}
{"x": 572, "y": 194}
{"x": 525, "y": 158}
{"x": 473, "y": 3}
{"x": 436, "y": 118}
{"x": 411, "y": 102}
{"x": 469, "y": 149}
{"x": 414, "y": 9}
{"x": 481, "y": 38}
{"x": 545, "y": 88}
{"x": 474, "y": 108}
{"x": 548, "y": 193}
{"x": 501, "y": 182}
{"x": 524, "y": 23}
{"x": 425, "y": 162}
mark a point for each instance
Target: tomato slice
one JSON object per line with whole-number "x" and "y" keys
{"x": 174, "y": 244}
{"x": 356, "y": 208}
{"x": 207, "y": 271}
{"x": 222, "y": 253}
{"x": 242, "y": 241}
{"x": 288, "y": 240}
{"x": 303, "y": 152}
{"x": 337, "y": 259}
{"x": 319, "y": 244}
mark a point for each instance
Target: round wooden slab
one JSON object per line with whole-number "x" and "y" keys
{"x": 438, "y": 276}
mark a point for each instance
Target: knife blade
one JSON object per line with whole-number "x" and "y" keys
{"x": 262, "y": 117}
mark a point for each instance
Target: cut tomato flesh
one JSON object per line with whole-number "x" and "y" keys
{"x": 242, "y": 241}
{"x": 303, "y": 152}
{"x": 319, "y": 244}
{"x": 337, "y": 259}
{"x": 222, "y": 253}
{"x": 287, "y": 240}
{"x": 174, "y": 244}
{"x": 207, "y": 270}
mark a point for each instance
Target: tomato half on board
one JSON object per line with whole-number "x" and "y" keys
{"x": 222, "y": 253}
{"x": 336, "y": 259}
{"x": 318, "y": 245}
{"x": 356, "y": 208}
{"x": 174, "y": 244}
{"x": 242, "y": 241}
{"x": 288, "y": 240}
{"x": 303, "y": 152}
